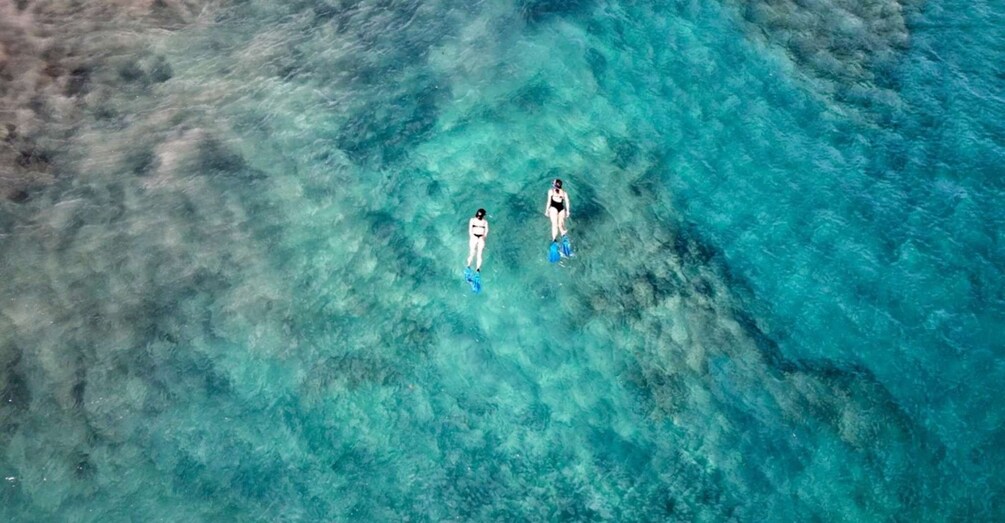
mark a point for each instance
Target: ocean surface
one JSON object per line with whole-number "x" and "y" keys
{"x": 232, "y": 236}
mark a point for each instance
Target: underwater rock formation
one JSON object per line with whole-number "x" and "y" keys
{"x": 845, "y": 48}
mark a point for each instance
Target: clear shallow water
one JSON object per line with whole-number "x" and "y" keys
{"x": 233, "y": 238}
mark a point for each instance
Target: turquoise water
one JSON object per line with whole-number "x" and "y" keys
{"x": 233, "y": 236}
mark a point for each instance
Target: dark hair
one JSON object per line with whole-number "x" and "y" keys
{"x": 558, "y": 183}
{"x": 480, "y": 213}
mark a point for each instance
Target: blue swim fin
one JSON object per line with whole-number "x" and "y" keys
{"x": 553, "y": 255}
{"x": 468, "y": 274}
{"x": 476, "y": 283}
{"x": 566, "y": 246}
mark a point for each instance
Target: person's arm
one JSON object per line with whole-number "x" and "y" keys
{"x": 471, "y": 224}
{"x": 486, "y": 229}
{"x": 568, "y": 206}
{"x": 547, "y": 202}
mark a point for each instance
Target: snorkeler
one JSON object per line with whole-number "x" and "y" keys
{"x": 557, "y": 208}
{"x": 478, "y": 229}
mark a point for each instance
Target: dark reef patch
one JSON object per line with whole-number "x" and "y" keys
{"x": 160, "y": 71}
{"x": 130, "y": 71}
{"x": 15, "y": 395}
{"x": 533, "y": 96}
{"x": 844, "y": 44}
{"x": 18, "y": 196}
{"x": 385, "y": 131}
{"x": 538, "y": 11}
{"x": 83, "y": 467}
{"x": 626, "y": 153}
{"x": 79, "y": 387}
{"x": 33, "y": 159}
{"x": 78, "y": 82}
{"x": 140, "y": 162}
{"x": 215, "y": 157}
{"x": 585, "y": 206}
{"x": 352, "y": 370}
{"x": 598, "y": 64}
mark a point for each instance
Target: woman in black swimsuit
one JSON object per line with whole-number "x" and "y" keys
{"x": 478, "y": 229}
{"x": 557, "y": 208}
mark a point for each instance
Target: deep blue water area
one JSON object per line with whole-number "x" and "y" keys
{"x": 232, "y": 238}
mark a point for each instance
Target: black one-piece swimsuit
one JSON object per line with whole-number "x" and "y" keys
{"x": 558, "y": 204}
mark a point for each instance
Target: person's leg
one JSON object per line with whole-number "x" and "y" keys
{"x": 561, "y": 223}
{"x": 553, "y": 215}
{"x": 480, "y": 248}
{"x": 472, "y": 246}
